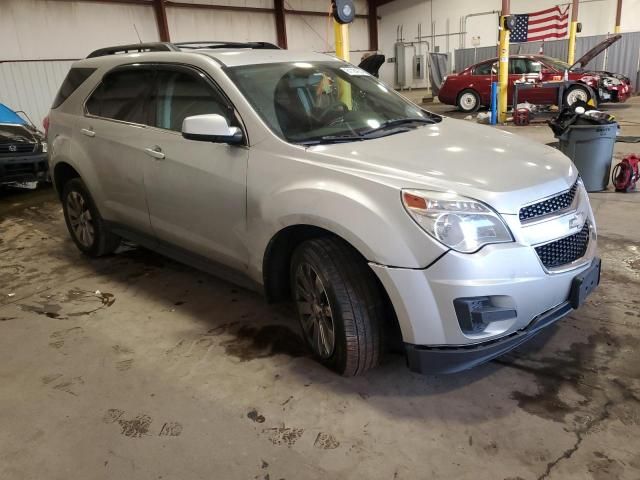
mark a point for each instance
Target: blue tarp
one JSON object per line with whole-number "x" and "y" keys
{"x": 9, "y": 116}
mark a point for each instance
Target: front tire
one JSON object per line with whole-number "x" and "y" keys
{"x": 468, "y": 101}
{"x": 575, "y": 94}
{"x": 339, "y": 304}
{"x": 86, "y": 227}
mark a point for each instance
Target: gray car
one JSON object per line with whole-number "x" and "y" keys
{"x": 306, "y": 178}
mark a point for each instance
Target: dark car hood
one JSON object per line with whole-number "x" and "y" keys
{"x": 11, "y": 133}
{"x": 584, "y": 60}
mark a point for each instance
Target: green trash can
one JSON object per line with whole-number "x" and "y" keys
{"x": 591, "y": 149}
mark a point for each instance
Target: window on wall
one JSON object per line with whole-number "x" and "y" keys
{"x": 123, "y": 96}
{"x": 179, "y": 95}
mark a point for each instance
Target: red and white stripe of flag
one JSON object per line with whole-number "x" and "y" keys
{"x": 550, "y": 23}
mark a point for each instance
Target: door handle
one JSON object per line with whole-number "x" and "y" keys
{"x": 88, "y": 132}
{"x": 155, "y": 152}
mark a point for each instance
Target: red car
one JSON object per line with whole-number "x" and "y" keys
{"x": 471, "y": 88}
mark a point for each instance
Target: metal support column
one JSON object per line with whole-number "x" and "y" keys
{"x": 503, "y": 69}
{"x": 341, "y": 33}
{"x": 281, "y": 25}
{"x": 573, "y": 29}
{"x": 373, "y": 25}
{"x": 161, "y": 20}
{"x": 618, "y": 16}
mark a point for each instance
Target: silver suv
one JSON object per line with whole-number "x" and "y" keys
{"x": 306, "y": 178}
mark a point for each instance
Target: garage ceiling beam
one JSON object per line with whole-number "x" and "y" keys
{"x": 235, "y": 8}
{"x": 381, "y": 2}
{"x": 208, "y": 6}
{"x": 278, "y": 10}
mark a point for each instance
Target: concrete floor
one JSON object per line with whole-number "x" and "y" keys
{"x": 135, "y": 367}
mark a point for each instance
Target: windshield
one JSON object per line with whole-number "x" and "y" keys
{"x": 557, "y": 64}
{"x": 324, "y": 102}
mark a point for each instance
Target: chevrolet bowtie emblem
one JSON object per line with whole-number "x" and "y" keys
{"x": 576, "y": 221}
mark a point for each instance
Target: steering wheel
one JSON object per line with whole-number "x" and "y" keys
{"x": 337, "y": 107}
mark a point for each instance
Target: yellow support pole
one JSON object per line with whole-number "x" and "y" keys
{"x": 341, "y": 33}
{"x": 503, "y": 72}
{"x": 572, "y": 43}
{"x": 573, "y": 30}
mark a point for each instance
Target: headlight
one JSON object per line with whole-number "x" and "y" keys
{"x": 44, "y": 147}
{"x": 460, "y": 223}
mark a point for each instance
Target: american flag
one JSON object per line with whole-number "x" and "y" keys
{"x": 542, "y": 25}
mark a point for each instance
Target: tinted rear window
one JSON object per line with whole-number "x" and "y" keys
{"x": 74, "y": 79}
{"x": 122, "y": 96}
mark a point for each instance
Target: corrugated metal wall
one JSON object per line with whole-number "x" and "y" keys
{"x": 622, "y": 57}
{"x": 31, "y": 86}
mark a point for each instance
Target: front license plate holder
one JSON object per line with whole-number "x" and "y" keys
{"x": 584, "y": 283}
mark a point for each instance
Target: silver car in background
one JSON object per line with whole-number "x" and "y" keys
{"x": 308, "y": 179}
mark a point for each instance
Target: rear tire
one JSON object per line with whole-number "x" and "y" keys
{"x": 468, "y": 101}
{"x": 338, "y": 300}
{"x": 86, "y": 227}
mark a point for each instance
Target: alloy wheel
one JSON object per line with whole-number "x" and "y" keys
{"x": 80, "y": 219}
{"x": 314, "y": 310}
{"x": 575, "y": 95}
{"x": 468, "y": 101}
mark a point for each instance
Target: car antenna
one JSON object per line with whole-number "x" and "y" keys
{"x": 137, "y": 34}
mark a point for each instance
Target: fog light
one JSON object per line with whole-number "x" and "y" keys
{"x": 475, "y": 313}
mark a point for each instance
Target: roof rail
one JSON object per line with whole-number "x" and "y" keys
{"x": 220, "y": 44}
{"x": 135, "y": 47}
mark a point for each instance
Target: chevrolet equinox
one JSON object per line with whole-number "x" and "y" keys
{"x": 304, "y": 177}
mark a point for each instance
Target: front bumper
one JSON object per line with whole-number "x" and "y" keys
{"x": 444, "y": 360}
{"x": 24, "y": 168}
{"x": 439, "y": 360}
{"x": 615, "y": 94}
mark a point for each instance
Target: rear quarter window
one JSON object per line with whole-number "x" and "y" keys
{"x": 123, "y": 95}
{"x": 73, "y": 80}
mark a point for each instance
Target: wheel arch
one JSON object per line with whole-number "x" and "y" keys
{"x": 276, "y": 270}
{"x": 62, "y": 173}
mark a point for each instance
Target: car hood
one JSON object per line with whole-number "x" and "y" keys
{"x": 584, "y": 60}
{"x": 499, "y": 168}
{"x": 12, "y": 133}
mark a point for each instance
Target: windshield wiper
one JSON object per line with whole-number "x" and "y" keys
{"x": 397, "y": 123}
{"x": 332, "y": 139}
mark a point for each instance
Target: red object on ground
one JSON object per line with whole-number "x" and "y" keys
{"x": 521, "y": 117}
{"x": 626, "y": 174}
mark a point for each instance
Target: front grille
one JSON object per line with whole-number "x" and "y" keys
{"x": 15, "y": 168}
{"x": 17, "y": 148}
{"x": 554, "y": 204}
{"x": 565, "y": 250}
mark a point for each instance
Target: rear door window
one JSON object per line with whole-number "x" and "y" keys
{"x": 533, "y": 66}
{"x": 518, "y": 66}
{"x": 72, "y": 81}
{"x": 123, "y": 95}
{"x": 180, "y": 94}
{"x": 487, "y": 68}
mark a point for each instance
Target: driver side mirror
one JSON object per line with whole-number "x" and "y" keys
{"x": 211, "y": 128}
